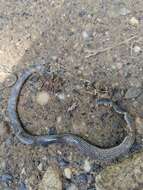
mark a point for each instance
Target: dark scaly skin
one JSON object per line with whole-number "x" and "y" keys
{"x": 86, "y": 148}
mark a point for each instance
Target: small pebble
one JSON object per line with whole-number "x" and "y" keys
{"x": 137, "y": 49}
{"x": 72, "y": 187}
{"x": 23, "y": 172}
{"x": 40, "y": 167}
{"x": 87, "y": 166}
{"x": 61, "y": 96}
{"x": 59, "y": 119}
{"x": 43, "y": 98}
{"x": 124, "y": 11}
{"x": 68, "y": 173}
{"x": 134, "y": 21}
{"x": 85, "y": 35}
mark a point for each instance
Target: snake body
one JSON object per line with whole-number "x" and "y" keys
{"x": 101, "y": 154}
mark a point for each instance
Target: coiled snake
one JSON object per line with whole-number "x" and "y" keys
{"x": 101, "y": 154}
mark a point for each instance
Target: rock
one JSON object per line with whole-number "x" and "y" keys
{"x": 133, "y": 92}
{"x": 87, "y": 166}
{"x": 68, "y": 173}
{"x": 60, "y": 96}
{"x": 124, "y": 176}
{"x": 42, "y": 98}
{"x": 124, "y": 11}
{"x": 134, "y": 21}
{"x": 51, "y": 180}
{"x": 72, "y": 187}
{"x": 87, "y": 35}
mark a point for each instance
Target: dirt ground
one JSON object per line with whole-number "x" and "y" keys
{"x": 93, "y": 49}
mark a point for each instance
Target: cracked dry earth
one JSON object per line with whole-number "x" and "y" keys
{"x": 93, "y": 49}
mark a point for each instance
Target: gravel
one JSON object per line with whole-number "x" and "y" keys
{"x": 126, "y": 175}
{"x": 68, "y": 173}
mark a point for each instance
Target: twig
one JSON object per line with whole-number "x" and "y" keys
{"x": 94, "y": 53}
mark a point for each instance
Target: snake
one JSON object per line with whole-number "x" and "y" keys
{"x": 85, "y": 147}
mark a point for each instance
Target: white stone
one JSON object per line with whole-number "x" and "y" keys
{"x": 137, "y": 49}
{"x": 59, "y": 119}
{"x": 61, "y": 96}
{"x": 85, "y": 35}
{"x": 134, "y": 21}
{"x": 42, "y": 98}
{"x": 87, "y": 166}
{"x": 68, "y": 173}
